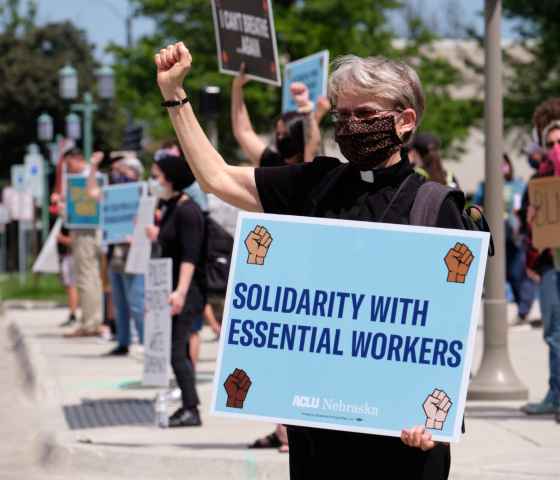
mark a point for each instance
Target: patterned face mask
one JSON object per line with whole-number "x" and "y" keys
{"x": 367, "y": 143}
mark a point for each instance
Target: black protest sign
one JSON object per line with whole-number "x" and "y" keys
{"x": 245, "y": 34}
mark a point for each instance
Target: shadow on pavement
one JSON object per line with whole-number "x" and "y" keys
{"x": 502, "y": 413}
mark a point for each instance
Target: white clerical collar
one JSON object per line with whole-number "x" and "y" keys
{"x": 367, "y": 176}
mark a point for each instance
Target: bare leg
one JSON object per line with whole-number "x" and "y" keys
{"x": 72, "y": 293}
{"x": 211, "y": 319}
{"x": 194, "y": 348}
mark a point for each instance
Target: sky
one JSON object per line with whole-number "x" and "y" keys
{"x": 104, "y": 20}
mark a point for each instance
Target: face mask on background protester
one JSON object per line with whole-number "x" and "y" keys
{"x": 367, "y": 143}
{"x": 158, "y": 190}
{"x": 117, "y": 177}
{"x": 286, "y": 146}
{"x": 554, "y": 156}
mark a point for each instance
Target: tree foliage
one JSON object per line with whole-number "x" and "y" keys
{"x": 30, "y": 59}
{"x": 536, "y": 77}
{"x": 303, "y": 27}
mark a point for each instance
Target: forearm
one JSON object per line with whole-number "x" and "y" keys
{"x": 312, "y": 138}
{"x": 92, "y": 188}
{"x": 185, "y": 277}
{"x": 243, "y": 131}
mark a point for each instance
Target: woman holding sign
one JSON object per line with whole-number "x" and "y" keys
{"x": 379, "y": 104}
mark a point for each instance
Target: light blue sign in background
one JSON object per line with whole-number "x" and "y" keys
{"x": 118, "y": 211}
{"x": 74, "y": 219}
{"x": 361, "y": 258}
{"x": 313, "y": 71}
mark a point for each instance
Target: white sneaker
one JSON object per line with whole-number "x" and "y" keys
{"x": 137, "y": 351}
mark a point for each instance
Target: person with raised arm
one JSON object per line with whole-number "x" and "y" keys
{"x": 378, "y": 105}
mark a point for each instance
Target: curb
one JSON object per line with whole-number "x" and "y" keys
{"x": 31, "y": 305}
{"x": 62, "y": 453}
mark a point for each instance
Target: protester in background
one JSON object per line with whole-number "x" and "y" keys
{"x": 182, "y": 237}
{"x": 425, "y": 155}
{"x": 297, "y": 136}
{"x": 379, "y": 103}
{"x": 67, "y": 274}
{"x": 127, "y": 288}
{"x": 85, "y": 250}
{"x": 522, "y": 289}
{"x": 544, "y": 266}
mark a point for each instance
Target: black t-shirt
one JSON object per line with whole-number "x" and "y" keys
{"x": 270, "y": 158}
{"x": 61, "y": 248}
{"x": 328, "y": 188}
{"x": 182, "y": 238}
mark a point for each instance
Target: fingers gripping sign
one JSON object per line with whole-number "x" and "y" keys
{"x": 458, "y": 261}
{"x": 237, "y": 386}
{"x": 436, "y": 407}
{"x": 258, "y": 243}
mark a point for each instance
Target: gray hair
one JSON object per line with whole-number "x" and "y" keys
{"x": 377, "y": 77}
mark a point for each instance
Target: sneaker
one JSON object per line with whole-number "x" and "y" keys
{"x": 177, "y": 413}
{"x": 541, "y": 408}
{"x": 189, "y": 417}
{"x": 137, "y": 351}
{"x": 118, "y": 351}
{"x": 69, "y": 321}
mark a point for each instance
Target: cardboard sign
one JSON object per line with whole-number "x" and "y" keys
{"x": 157, "y": 323}
{"x": 245, "y": 34}
{"x": 141, "y": 245}
{"x": 119, "y": 208}
{"x": 313, "y": 71}
{"x": 352, "y": 326}
{"x": 544, "y": 194}
{"x": 82, "y": 211}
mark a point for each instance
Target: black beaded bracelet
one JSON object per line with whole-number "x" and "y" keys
{"x": 174, "y": 103}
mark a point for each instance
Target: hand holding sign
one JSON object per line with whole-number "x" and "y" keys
{"x": 241, "y": 80}
{"x": 237, "y": 386}
{"x": 300, "y": 94}
{"x": 173, "y": 63}
{"x": 436, "y": 407}
{"x": 258, "y": 242}
{"x": 458, "y": 262}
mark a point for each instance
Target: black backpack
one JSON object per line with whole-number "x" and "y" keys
{"x": 427, "y": 204}
{"x": 218, "y": 259}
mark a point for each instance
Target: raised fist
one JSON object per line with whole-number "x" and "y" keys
{"x": 173, "y": 63}
{"x": 458, "y": 262}
{"x": 257, "y": 243}
{"x": 237, "y": 385}
{"x": 436, "y": 407}
{"x": 300, "y": 95}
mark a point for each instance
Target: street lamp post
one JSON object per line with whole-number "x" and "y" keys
{"x": 69, "y": 91}
{"x": 495, "y": 379}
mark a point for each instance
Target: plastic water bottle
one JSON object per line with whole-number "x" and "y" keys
{"x": 162, "y": 420}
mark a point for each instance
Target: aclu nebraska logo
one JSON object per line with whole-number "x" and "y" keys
{"x": 333, "y": 405}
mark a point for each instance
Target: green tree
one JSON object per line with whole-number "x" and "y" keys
{"x": 303, "y": 27}
{"x": 30, "y": 59}
{"x": 536, "y": 73}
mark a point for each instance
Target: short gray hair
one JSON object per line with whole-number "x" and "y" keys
{"x": 377, "y": 77}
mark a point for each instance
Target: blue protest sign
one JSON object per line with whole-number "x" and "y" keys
{"x": 119, "y": 208}
{"x": 313, "y": 71}
{"x": 82, "y": 211}
{"x": 350, "y": 326}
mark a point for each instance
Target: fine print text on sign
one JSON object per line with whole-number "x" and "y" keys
{"x": 119, "y": 208}
{"x": 245, "y": 34}
{"x": 544, "y": 194}
{"x": 82, "y": 211}
{"x": 157, "y": 323}
{"x": 350, "y": 326}
{"x": 313, "y": 71}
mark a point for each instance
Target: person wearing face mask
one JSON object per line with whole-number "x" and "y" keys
{"x": 297, "y": 136}
{"x": 544, "y": 266}
{"x": 181, "y": 236}
{"x": 127, "y": 289}
{"x": 378, "y": 105}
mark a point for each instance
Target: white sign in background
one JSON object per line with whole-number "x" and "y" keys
{"x": 157, "y": 323}
{"x": 141, "y": 246}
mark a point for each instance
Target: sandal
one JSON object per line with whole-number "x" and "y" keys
{"x": 270, "y": 441}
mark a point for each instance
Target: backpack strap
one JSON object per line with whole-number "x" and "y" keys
{"x": 428, "y": 203}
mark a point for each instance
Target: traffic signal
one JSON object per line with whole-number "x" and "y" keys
{"x": 133, "y": 138}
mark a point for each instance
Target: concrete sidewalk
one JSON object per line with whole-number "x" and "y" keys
{"x": 96, "y": 417}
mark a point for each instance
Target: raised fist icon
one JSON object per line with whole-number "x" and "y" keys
{"x": 258, "y": 242}
{"x": 458, "y": 262}
{"x": 436, "y": 407}
{"x": 237, "y": 386}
